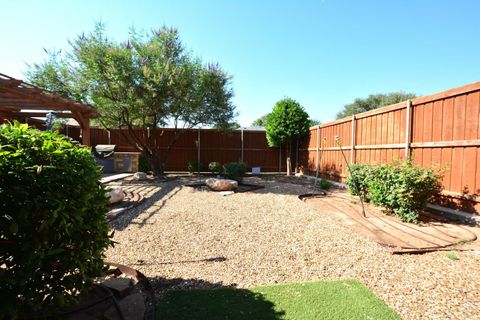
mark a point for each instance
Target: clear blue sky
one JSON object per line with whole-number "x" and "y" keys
{"x": 321, "y": 53}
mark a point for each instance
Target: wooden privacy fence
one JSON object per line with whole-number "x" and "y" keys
{"x": 441, "y": 129}
{"x": 206, "y": 145}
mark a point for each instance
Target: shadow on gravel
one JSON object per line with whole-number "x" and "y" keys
{"x": 156, "y": 201}
{"x": 284, "y": 185}
{"x": 198, "y": 299}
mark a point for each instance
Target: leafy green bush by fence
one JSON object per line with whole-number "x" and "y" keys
{"x": 53, "y": 227}
{"x": 194, "y": 166}
{"x": 401, "y": 187}
{"x": 235, "y": 170}
{"x": 358, "y": 180}
{"x": 324, "y": 184}
{"x": 215, "y": 167}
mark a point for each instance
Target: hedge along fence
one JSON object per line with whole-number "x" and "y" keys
{"x": 441, "y": 129}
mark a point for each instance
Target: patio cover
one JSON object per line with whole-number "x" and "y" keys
{"x": 20, "y": 100}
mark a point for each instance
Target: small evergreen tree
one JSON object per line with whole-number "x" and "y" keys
{"x": 287, "y": 122}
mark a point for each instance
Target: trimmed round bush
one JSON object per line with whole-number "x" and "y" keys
{"x": 235, "y": 170}
{"x": 215, "y": 167}
{"x": 53, "y": 227}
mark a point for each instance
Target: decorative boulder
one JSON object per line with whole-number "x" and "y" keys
{"x": 140, "y": 176}
{"x": 115, "y": 195}
{"x": 221, "y": 184}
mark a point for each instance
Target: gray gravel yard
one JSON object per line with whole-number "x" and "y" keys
{"x": 187, "y": 238}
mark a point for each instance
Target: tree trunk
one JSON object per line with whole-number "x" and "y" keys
{"x": 289, "y": 158}
{"x": 155, "y": 164}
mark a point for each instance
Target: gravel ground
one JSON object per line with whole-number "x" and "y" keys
{"x": 185, "y": 238}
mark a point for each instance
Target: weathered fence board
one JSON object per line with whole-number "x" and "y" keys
{"x": 438, "y": 130}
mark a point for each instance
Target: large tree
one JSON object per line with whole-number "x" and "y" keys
{"x": 287, "y": 122}
{"x": 374, "y": 101}
{"x": 260, "y": 122}
{"x": 146, "y": 82}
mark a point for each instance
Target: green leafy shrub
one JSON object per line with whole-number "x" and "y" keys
{"x": 235, "y": 170}
{"x": 194, "y": 166}
{"x": 215, "y": 167}
{"x": 401, "y": 187}
{"x": 324, "y": 184}
{"x": 53, "y": 227}
{"x": 360, "y": 175}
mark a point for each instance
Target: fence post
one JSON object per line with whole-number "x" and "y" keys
{"x": 352, "y": 148}
{"x": 198, "y": 151}
{"x": 408, "y": 129}
{"x": 318, "y": 151}
{"x": 242, "y": 145}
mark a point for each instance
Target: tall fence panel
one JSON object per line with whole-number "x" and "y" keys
{"x": 440, "y": 130}
{"x": 437, "y": 130}
{"x": 249, "y": 146}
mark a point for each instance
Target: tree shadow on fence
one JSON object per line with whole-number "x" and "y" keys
{"x": 466, "y": 202}
{"x": 199, "y": 299}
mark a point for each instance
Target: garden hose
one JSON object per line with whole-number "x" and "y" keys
{"x": 338, "y": 142}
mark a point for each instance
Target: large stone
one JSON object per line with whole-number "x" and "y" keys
{"x": 221, "y": 184}
{"x": 140, "y": 176}
{"x": 133, "y": 308}
{"x": 116, "y": 195}
{"x": 119, "y": 286}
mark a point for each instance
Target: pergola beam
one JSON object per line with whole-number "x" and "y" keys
{"x": 16, "y": 95}
{"x": 42, "y": 114}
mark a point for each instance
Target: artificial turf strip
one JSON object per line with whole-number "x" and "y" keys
{"x": 309, "y": 300}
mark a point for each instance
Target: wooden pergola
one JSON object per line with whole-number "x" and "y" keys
{"x": 20, "y": 100}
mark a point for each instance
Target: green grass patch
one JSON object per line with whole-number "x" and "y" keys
{"x": 310, "y": 300}
{"x": 452, "y": 256}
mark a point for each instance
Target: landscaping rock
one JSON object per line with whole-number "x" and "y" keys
{"x": 221, "y": 184}
{"x": 140, "y": 176}
{"x": 116, "y": 195}
{"x": 119, "y": 286}
{"x": 132, "y": 307}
